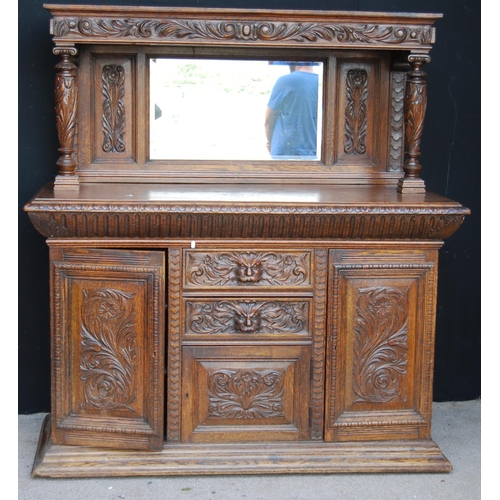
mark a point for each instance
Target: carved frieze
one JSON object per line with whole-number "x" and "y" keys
{"x": 356, "y": 117}
{"x": 231, "y": 221}
{"x": 113, "y": 107}
{"x": 380, "y": 354}
{"x": 247, "y": 268}
{"x": 246, "y": 317}
{"x": 108, "y": 361}
{"x": 245, "y": 30}
{"x": 245, "y": 394}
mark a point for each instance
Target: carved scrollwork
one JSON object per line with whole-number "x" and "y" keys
{"x": 108, "y": 361}
{"x": 247, "y": 268}
{"x": 247, "y": 30}
{"x": 247, "y": 317}
{"x": 245, "y": 394}
{"x": 113, "y": 116}
{"x": 356, "y": 117}
{"x": 380, "y": 345}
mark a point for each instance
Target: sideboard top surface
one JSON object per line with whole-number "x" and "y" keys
{"x": 243, "y": 210}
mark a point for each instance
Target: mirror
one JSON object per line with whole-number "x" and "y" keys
{"x": 206, "y": 109}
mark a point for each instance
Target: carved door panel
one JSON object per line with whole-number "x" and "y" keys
{"x": 107, "y": 347}
{"x": 245, "y": 393}
{"x": 380, "y": 345}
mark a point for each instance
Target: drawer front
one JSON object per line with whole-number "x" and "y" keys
{"x": 229, "y": 269}
{"x": 241, "y": 317}
{"x": 245, "y": 393}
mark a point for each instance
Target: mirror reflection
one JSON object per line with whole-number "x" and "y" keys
{"x": 235, "y": 110}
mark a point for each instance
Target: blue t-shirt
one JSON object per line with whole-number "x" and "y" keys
{"x": 294, "y": 100}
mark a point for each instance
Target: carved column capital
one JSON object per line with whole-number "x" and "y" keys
{"x": 415, "y": 103}
{"x": 68, "y": 50}
{"x": 418, "y": 60}
{"x": 66, "y": 111}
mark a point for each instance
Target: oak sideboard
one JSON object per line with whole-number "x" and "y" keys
{"x": 217, "y": 308}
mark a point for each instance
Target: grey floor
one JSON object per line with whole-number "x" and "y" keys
{"x": 456, "y": 429}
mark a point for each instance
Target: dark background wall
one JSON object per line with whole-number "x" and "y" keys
{"x": 450, "y": 159}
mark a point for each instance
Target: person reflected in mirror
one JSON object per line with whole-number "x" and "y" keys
{"x": 291, "y": 122}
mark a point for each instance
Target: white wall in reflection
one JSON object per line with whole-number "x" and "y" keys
{"x": 242, "y": 196}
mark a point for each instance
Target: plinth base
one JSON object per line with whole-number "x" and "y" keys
{"x": 411, "y": 186}
{"x": 238, "y": 458}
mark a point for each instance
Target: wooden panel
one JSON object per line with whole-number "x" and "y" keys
{"x": 238, "y": 317}
{"x": 236, "y": 268}
{"x": 114, "y": 111}
{"x": 362, "y": 118}
{"x": 107, "y": 309}
{"x": 245, "y": 393}
{"x": 379, "y": 353}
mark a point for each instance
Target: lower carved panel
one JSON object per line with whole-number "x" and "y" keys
{"x": 109, "y": 349}
{"x": 246, "y": 393}
{"x": 380, "y": 353}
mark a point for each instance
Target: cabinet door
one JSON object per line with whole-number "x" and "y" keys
{"x": 380, "y": 344}
{"x": 107, "y": 311}
{"x": 246, "y": 393}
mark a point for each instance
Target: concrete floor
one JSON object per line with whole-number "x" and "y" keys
{"x": 456, "y": 429}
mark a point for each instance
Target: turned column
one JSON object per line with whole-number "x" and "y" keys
{"x": 415, "y": 103}
{"x": 65, "y": 105}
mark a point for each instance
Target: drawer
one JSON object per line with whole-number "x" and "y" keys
{"x": 237, "y": 268}
{"x": 242, "y": 317}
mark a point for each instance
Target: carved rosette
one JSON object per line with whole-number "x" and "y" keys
{"x": 247, "y": 317}
{"x": 246, "y": 394}
{"x": 380, "y": 357}
{"x": 252, "y": 268}
{"x": 113, "y": 107}
{"x": 65, "y": 107}
{"x": 356, "y": 117}
{"x": 108, "y": 361}
{"x": 196, "y": 30}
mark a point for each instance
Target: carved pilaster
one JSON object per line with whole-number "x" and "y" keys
{"x": 415, "y": 104}
{"x": 65, "y": 105}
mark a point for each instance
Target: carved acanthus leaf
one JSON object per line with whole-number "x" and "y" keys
{"x": 248, "y": 268}
{"x": 380, "y": 345}
{"x": 247, "y": 30}
{"x": 245, "y": 394}
{"x": 356, "y": 117}
{"x": 108, "y": 361}
{"x": 113, "y": 116}
{"x": 247, "y": 317}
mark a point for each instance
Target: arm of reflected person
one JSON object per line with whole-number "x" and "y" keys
{"x": 269, "y": 126}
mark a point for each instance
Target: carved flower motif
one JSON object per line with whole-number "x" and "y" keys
{"x": 108, "y": 309}
{"x": 383, "y": 306}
